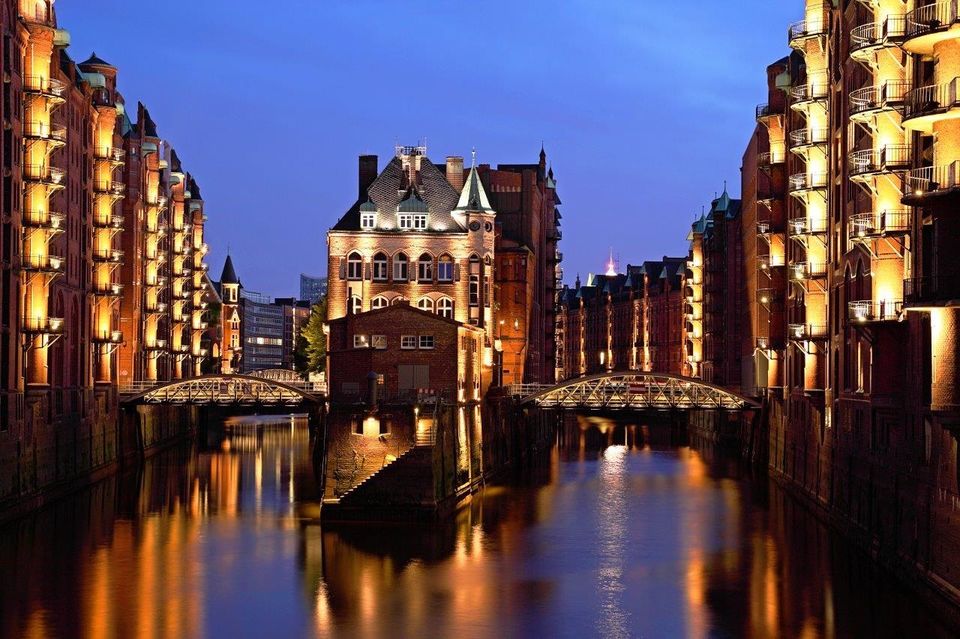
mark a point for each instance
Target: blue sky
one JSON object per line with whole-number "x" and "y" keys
{"x": 644, "y": 111}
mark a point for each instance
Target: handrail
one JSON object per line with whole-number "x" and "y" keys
{"x": 876, "y": 223}
{"x": 931, "y": 99}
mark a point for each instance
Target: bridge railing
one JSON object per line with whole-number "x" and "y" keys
{"x": 527, "y": 390}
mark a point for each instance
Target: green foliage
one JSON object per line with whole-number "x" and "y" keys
{"x": 310, "y": 352}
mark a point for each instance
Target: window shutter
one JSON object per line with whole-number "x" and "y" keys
{"x": 343, "y": 269}
{"x": 369, "y": 271}
{"x": 456, "y": 272}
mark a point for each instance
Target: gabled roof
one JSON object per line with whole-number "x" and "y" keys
{"x": 149, "y": 126}
{"x": 473, "y": 198}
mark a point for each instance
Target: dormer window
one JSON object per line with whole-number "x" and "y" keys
{"x": 368, "y": 220}
{"x": 412, "y": 221}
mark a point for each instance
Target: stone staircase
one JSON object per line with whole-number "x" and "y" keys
{"x": 407, "y": 480}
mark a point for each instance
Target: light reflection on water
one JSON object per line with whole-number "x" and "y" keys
{"x": 618, "y": 540}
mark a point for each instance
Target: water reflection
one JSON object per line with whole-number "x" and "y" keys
{"x": 617, "y": 534}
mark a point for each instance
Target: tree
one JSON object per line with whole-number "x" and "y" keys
{"x": 310, "y": 353}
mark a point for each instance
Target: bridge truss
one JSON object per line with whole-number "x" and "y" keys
{"x": 634, "y": 390}
{"x": 225, "y": 390}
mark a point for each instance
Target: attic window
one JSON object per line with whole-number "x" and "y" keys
{"x": 415, "y": 221}
{"x": 368, "y": 220}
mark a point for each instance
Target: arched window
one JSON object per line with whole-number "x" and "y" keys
{"x": 400, "y": 265}
{"x": 445, "y": 308}
{"x": 445, "y": 269}
{"x": 425, "y": 304}
{"x": 380, "y": 267}
{"x": 356, "y": 304}
{"x": 474, "y": 280}
{"x": 425, "y": 268}
{"x": 379, "y": 302}
{"x": 354, "y": 266}
{"x": 397, "y": 300}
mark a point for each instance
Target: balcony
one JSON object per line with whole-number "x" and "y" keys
{"x": 801, "y": 183}
{"x": 931, "y": 180}
{"x": 930, "y": 104}
{"x": 42, "y": 325}
{"x": 39, "y": 14}
{"x": 112, "y": 256}
{"x": 930, "y": 24}
{"x": 766, "y": 112}
{"x": 47, "y": 87}
{"x": 802, "y": 138}
{"x": 869, "y": 101}
{"x": 108, "y": 337}
{"x": 766, "y": 263}
{"x": 157, "y": 345}
{"x": 110, "y": 153}
{"x": 805, "y": 226}
{"x": 771, "y": 158}
{"x": 111, "y": 187}
{"x": 870, "y": 311}
{"x": 109, "y": 290}
{"x": 155, "y": 307}
{"x": 49, "y": 264}
{"x": 804, "y": 271}
{"x": 868, "y": 226}
{"x": 763, "y": 229}
{"x": 804, "y": 31}
{"x": 815, "y": 89}
{"x": 934, "y": 290}
{"x": 767, "y": 296}
{"x": 806, "y": 332}
{"x": 44, "y": 174}
{"x": 48, "y": 220}
{"x": 866, "y": 164}
{"x": 53, "y": 133}
{"x": 114, "y": 223}
{"x": 869, "y": 39}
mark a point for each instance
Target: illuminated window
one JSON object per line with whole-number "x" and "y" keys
{"x": 425, "y": 268}
{"x": 378, "y": 341}
{"x": 426, "y": 342}
{"x": 380, "y": 267}
{"x": 425, "y": 304}
{"x": 408, "y": 342}
{"x": 474, "y": 281}
{"x": 400, "y": 264}
{"x": 354, "y": 266}
{"x": 415, "y": 221}
{"x": 368, "y": 220}
{"x": 378, "y": 302}
{"x": 445, "y": 269}
{"x": 356, "y": 304}
{"x": 397, "y": 300}
{"x": 234, "y": 340}
{"x": 445, "y": 308}
{"x": 405, "y": 221}
{"x": 361, "y": 341}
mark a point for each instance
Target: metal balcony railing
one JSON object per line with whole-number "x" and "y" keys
{"x": 42, "y": 325}
{"x": 763, "y": 228}
{"x": 807, "y": 181}
{"x": 800, "y": 226}
{"x": 803, "y": 271}
{"x": 771, "y": 158}
{"x": 889, "y": 95}
{"x": 111, "y": 153}
{"x": 45, "y": 86}
{"x": 43, "y": 263}
{"x": 930, "y": 179}
{"x": 816, "y": 87}
{"x": 808, "y": 137}
{"x": 49, "y": 220}
{"x": 767, "y": 262}
{"x": 931, "y": 100}
{"x": 109, "y": 290}
{"x": 44, "y": 173}
{"x": 931, "y": 18}
{"x": 806, "y": 29}
{"x": 114, "y": 222}
{"x": 45, "y": 131}
{"x": 805, "y": 332}
{"x": 156, "y": 307}
{"x": 864, "y": 311}
{"x": 932, "y": 288}
{"x": 878, "y": 34}
{"x": 765, "y": 111}
{"x": 113, "y": 256}
{"x": 894, "y": 157}
{"x": 877, "y": 224}
{"x": 108, "y": 337}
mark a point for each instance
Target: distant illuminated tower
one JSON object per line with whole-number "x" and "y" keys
{"x": 611, "y": 265}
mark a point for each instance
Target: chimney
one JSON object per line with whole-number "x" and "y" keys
{"x": 455, "y": 172}
{"x": 368, "y": 173}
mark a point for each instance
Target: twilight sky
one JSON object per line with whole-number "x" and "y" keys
{"x": 644, "y": 112}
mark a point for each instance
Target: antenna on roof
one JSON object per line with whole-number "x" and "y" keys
{"x": 473, "y": 157}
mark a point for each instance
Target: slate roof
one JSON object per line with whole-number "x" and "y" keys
{"x": 473, "y": 198}
{"x": 95, "y": 60}
{"x": 229, "y": 275}
{"x": 391, "y": 188}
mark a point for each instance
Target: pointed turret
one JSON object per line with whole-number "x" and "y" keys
{"x": 473, "y": 198}
{"x": 229, "y": 275}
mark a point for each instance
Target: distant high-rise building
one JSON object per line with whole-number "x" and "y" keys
{"x": 312, "y": 288}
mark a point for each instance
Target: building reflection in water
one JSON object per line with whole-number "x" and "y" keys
{"x": 619, "y": 531}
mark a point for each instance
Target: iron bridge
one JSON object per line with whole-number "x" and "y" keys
{"x": 634, "y": 391}
{"x": 224, "y": 390}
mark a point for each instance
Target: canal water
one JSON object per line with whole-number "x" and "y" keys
{"x": 219, "y": 539}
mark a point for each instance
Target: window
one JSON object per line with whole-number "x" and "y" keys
{"x": 426, "y": 341}
{"x": 425, "y": 268}
{"x": 445, "y": 308}
{"x": 420, "y": 221}
{"x": 425, "y": 304}
{"x": 405, "y": 221}
{"x": 234, "y": 340}
{"x": 379, "y": 342}
{"x": 361, "y": 341}
{"x": 354, "y": 266}
{"x": 400, "y": 267}
{"x": 408, "y": 342}
{"x": 474, "y": 281}
{"x": 378, "y": 302}
{"x": 356, "y": 305}
{"x": 445, "y": 269}
{"x": 368, "y": 220}
{"x": 380, "y": 267}
{"x": 397, "y": 300}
